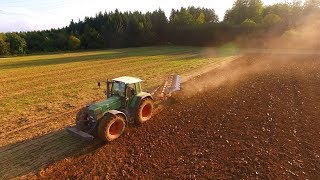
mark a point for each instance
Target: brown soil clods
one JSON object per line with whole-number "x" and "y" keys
{"x": 262, "y": 124}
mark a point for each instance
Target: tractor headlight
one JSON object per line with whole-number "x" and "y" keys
{"x": 91, "y": 114}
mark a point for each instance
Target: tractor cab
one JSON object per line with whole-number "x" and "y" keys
{"x": 125, "y": 102}
{"x": 125, "y": 86}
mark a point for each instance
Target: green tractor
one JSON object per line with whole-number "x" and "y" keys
{"x": 125, "y": 102}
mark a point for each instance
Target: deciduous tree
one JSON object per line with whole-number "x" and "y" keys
{"x": 74, "y": 42}
{"x": 17, "y": 44}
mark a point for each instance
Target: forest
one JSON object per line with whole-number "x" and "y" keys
{"x": 249, "y": 20}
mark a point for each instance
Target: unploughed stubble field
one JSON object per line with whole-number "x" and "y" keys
{"x": 40, "y": 95}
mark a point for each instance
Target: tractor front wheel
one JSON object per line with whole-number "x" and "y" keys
{"x": 111, "y": 127}
{"x": 145, "y": 110}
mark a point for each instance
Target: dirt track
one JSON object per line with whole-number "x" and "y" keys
{"x": 258, "y": 117}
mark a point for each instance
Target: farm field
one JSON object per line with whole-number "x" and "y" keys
{"x": 40, "y": 95}
{"x": 186, "y": 90}
{"x": 257, "y": 117}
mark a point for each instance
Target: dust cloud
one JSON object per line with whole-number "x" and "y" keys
{"x": 279, "y": 52}
{"x": 229, "y": 73}
{"x": 304, "y": 37}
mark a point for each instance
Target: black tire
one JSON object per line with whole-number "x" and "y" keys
{"x": 111, "y": 127}
{"x": 81, "y": 119}
{"x": 145, "y": 111}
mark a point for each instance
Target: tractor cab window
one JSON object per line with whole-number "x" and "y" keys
{"x": 118, "y": 88}
{"x": 130, "y": 90}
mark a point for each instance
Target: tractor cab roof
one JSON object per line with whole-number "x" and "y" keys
{"x": 127, "y": 79}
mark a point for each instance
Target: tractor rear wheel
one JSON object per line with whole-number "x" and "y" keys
{"x": 145, "y": 110}
{"x": 81, "y": 119}
{"x": 111, "y": 127}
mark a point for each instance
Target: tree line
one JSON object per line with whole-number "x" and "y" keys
{"x": 249, "y": 19}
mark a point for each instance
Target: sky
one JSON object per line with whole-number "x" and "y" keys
{"x": 27, "y": 15}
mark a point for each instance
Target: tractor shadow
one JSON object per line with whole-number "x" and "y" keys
{"x": 31, "y": 155}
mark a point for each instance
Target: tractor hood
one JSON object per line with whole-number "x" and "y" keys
{"x": 97, "y": 110}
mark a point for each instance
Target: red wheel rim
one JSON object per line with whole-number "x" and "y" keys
{"x": 146, "y": 110}
{"x": 116, "y": 128}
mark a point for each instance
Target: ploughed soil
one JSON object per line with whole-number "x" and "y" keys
{"x": 257, "y": 117}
